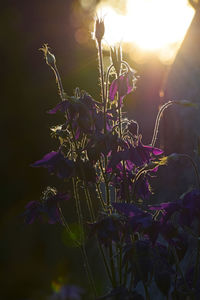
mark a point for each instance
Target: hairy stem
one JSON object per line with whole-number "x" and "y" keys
{"x": 157, "y": 123}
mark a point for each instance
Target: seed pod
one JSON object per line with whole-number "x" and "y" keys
{"x": 99, "y": 29}
{"x": 49, "y": 57}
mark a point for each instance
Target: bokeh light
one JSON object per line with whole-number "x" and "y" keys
{"x": 150, "y": 25}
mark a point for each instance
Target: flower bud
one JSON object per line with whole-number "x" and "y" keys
{"x": 49, "y": 57}
{"x": 99, "y": 29}
{"x": 116, "y": 57}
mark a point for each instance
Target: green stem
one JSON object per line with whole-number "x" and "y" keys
{"x": 157, "y": 123}
{"x": 101, "y": 71}
{"x": 105, "y": 263}
{"x": 120, "y": 264}
{"x": 83, "y": 250}
{"x": 65, "y": 224}
{"x": 146, "y": 291}
{"x": 137, "y": 176}
{"x": 179, "y": 268}
{"x": 89, "y": 203}
{"x": 112, "y": 266}
{"x": 100, "y": 197}
{"x": 125, "y": 274}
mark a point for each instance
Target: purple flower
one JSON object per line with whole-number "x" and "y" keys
{"x": 108, "y": 229}
{"x": 127, "y": 209}
{"x": 123, "y": 85}
{"x": 56, "y": 164}
{"x": 136, "y": 156}
{"x": 83, "y": 113}
{"x": 122, "y": 184}
{"x": 102, "y": 144}
{"x": 68, "y": 292}
{"x": 139, "y": 256}
{"x": 141, "y": 154}
{"x": 48, "y": 206}
{"x": 32, "y": 212}
{"x": 167, "y": 209}
{"x": 187, "y": 207}
{"x": 122, "y": 293}
{"x": 143, "y": 188}
{"x": 62, "y": 106}
{"x": 86, "y": 171}
{"x": 190, "y": 208}
{"x": 137, "y": 219}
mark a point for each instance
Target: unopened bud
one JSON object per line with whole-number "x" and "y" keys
{"x": 99, "y": 29}
{"x": 49, "y": 57}
{"x": 116, "y": 57}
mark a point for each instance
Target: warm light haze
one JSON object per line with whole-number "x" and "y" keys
{"x": 150, "y": 25}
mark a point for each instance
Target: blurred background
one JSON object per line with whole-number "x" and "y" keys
{"x": 156, "y": 41}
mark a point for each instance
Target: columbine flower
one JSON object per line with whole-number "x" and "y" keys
{"x": 108, "y": 229}
{"x": 123, "y": 85}
{"x": 71, "y": 292}
{"x": 84, "y": 114}
{"x": 47, "y": 206}
{"x": 134, "y": 156}
{"x": 56, "y": 164}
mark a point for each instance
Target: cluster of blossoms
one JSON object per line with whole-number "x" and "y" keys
{"x": 102, "y": 158}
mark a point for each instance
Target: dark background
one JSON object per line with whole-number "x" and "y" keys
{"x": 35, "y": 256}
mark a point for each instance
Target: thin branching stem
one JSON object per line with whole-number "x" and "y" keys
{"x": 83, "y": 250}
{"x": 157, "y": 123}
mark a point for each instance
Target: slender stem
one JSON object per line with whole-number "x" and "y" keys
{"x": 146, "y": 291}
{"x": 131, "y": 281}
{"x": 80, "y": 219}
{"x": 65, "y": 224}
{"x": 120, "y": 264}
{"x": 105, "y": 263}
{"x": 107, "y": 79}
{"x": 179, "y": 268}
{"x": 89, "y": 203}
{"x": 137, "y": 176}
{"x": 59, "y": 82}
{"x": 100, "y": 196}
{"x": 159, "y": 115}
{"x": 107, "y": 191}
{"x": 112, "y": 265}
{"x": 125, "y": 274}
{"x": 101, "y": 71}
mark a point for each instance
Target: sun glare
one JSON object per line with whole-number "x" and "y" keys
{"x": 151, "y": 25}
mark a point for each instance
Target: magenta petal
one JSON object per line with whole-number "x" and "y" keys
{"x": 154, "y": 151}
{"x": 113, "y": 89}
{"x": 128, "y": 85}
{"x": 62, "y": 106}
{"x": 48, "y": 157}
{"x": 157, "y": 151}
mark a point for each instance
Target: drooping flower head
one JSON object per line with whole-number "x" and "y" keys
{"x": 48, "y": 206}
{"x": 56, "y": 164}
{"x": 123, "y": 85}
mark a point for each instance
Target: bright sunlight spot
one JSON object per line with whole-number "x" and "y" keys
{"x": 151, "y": 25}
